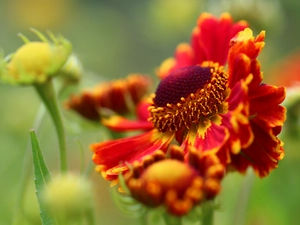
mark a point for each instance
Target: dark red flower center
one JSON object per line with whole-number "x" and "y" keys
{"x": 186, "y": 95}
{"x": 181, "y": 83}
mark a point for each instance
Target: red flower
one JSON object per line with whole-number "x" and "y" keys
{"x": 229, "y": 112}
{"x": 290, "y": 67}
{"x": 117, "y": 95}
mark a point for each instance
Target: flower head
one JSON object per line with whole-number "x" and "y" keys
{"x": 178, "y": 185}
{"x": 200, "y": 103}
{"x": 35, "y": 62}
{"x": 118, "y": 96}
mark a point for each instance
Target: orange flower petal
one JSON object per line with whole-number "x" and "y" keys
{"x": 241, "y": 57}
{"x": 119, "y": 123}
{"x": 113, "y": 154}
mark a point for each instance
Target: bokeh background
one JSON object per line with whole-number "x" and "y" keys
{"x": 113, "y": 39}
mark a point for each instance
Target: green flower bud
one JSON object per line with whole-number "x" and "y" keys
{"x": 68, "y": 197}
{"x": 35, "y": 62}
{"x": 72, "y": 70}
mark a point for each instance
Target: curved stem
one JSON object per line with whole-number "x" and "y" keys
{"x": 47, "y": 94}
{"x": 207, "y": 217}
{"x": 89, "y": 169}
{"x": 27, "y": 166}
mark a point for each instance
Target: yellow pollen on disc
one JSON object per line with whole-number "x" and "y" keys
{"x": 205, "y": 102}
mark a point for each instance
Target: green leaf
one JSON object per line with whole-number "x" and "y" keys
{"x": 42, "y": 177}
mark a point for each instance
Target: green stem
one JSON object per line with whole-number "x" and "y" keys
{"x": 207, "y": 214}
{"x": 89, "y": 169}
{"x": 90, "y": 217}
{"x": 47, "y": 94}
{"x": 143, "y": 219}
{"x": 172, "y": 220}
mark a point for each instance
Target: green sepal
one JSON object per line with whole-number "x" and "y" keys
{"x": 41, "y": 179}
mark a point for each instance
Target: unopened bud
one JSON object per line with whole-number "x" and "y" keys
{"x": 35, "y": 62}
{"x": 68, "y": 197}
{"x": 72, "y": 70}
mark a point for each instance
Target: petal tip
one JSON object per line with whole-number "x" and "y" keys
{"x": 226, "y": 16}
{"x": 183, "y": 47}
{"x": 204, "y": 16}
{"x": 243, "y": 23}
{"x": 165, "y": 67}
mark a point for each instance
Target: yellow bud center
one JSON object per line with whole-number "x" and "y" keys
{"x": 32, "y": 58}
{"x": 170, "y": 173}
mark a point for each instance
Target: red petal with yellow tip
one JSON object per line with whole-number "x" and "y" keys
{"x": 241, "y": 134}
{"x": 266, "y": 122}
{"x": 241, "y": 57}
{"x": 238, "y": 95}
{"x": 237, "y": 122}
{"x": 184, "y": 56}
{"x": 119, "y": 123}
{"x": 263, "y": 154}
{"x": 210, "y": 39}
{"x": 264, "y": 105}
{"x": 237, "y": 119}
{"x": 116, "y": 153}
{"x": 210, "y": 138}
{"x": 209, "y": 42}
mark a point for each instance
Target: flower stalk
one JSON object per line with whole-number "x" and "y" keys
{"x": 207, "y": 217}
{"x": 172, "y": 220}
{"x": 47, "y": 94}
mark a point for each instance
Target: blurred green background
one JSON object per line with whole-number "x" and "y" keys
{"x": 113, "y": 39}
